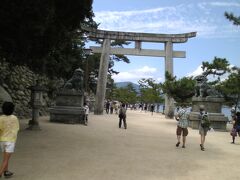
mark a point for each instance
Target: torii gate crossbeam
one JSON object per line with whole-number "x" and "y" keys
{"x": 138, "y": 38}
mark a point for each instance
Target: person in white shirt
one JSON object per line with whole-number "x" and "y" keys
{"x": 86, "y": 110}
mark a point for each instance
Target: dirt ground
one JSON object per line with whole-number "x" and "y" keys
{"x": 102, "y": 151}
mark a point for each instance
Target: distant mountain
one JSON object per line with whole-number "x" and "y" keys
{"x": 124, "y": 84}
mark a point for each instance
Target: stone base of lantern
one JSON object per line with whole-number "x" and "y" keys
{"x": 69, "y": 108}
{"x": 213, "y": 106}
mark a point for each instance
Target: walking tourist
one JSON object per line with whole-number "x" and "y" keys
{"x": 115, "y": 107}
{"x": 233, "y": 114}
{"x": 107, "y": 107}
{"x": 9, "y": 127}
{"x": 86, "y": 110}
{"x": 141, "y": 107}
{"x": 122, "y": 116}
{"x": 152, "y": 108}
{"x": 182, "y": 125}
{"x": 111, "y": 107}
{"x": 204, "y": 126}
{"x": 236, "y": 127}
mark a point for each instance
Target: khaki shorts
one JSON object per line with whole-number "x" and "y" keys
{"x": 7, "y": 146}
{"x": 181, "y": 131}
{"x": 203, "y": 131}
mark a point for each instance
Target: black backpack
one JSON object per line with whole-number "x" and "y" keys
{"x": 205, "y": 122}
{"x": 122, "y": 113}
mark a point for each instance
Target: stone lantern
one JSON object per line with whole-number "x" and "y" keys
{"x": 36, "y": 103}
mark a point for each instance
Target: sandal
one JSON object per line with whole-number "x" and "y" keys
{"x": 202, "y": 148}
{"x": 8, "y": 173}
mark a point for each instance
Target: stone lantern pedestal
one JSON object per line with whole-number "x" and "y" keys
{"x": 69, "y": 108}
{"x": 69, "y": 101}
{"x": 36, "y": 103}
{"x": 213, "y": 106}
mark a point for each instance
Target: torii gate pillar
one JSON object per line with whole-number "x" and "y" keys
{"x": 102, "y": 78}
{"x": 169, "y": 102}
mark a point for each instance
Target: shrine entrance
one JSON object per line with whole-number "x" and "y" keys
{"x": 168, "y": 53}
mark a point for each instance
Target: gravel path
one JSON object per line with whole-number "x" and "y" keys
{"x": 102, "y": 151}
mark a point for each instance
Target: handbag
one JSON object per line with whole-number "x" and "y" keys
{"x": 233, "y": 132}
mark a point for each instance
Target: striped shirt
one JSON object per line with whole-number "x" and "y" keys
{"x": 183, "y": 118}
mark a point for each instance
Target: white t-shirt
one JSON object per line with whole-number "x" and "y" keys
{"x": 86, "y": 108}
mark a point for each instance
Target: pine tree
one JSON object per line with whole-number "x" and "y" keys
{"x": 181, "y": 90}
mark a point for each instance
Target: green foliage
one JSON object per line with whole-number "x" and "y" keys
{"x": 119, "y": 43}
{"x": 90, "y": 65}
{"x": 43, "y": 34}
{"x": 218, "y": 67}
{"x": 230, "y": 87}
{"x": 117, "y": 57}
{"x": 231, "y": 17}
{"x": 112, "y": 60}
{"x": 125, "y": 95}
{"x": 180, "y": 90}
{"x": 110, "y": 87}
{"x": 150, "y": 91}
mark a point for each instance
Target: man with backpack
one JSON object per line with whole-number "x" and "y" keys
{"x": 204, "y": 126}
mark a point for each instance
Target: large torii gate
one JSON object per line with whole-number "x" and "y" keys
{"x": 138, "y": 38}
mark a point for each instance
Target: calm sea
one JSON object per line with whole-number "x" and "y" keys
{"x": 225, "y": 110}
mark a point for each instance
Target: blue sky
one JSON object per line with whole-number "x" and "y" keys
{"x": 216, "y": 36}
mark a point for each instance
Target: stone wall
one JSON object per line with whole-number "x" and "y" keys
{"x": 16, "y": 81}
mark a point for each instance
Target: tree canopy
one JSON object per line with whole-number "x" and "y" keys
{"x": 125, "y": 94}
{"x": 150, "y": 91}
{"x": 42, "y": 34}
{"x": 218, "y": 67}
{"x": 230, "y": 87}
{"x": 231, "y": 17}
{"x": 180, "y": 90}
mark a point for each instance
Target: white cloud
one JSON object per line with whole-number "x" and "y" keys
{"x": 149, "y": 72}
{"x": 136, "y": 74}
{"x": 205, "y": 18}
{"x": 225, "y": 4}
{"x": 197, "y": 72}
{"x": 160, "y": 79}
{"x": 146, "y": 69}
{"x": 125, "y": 76}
